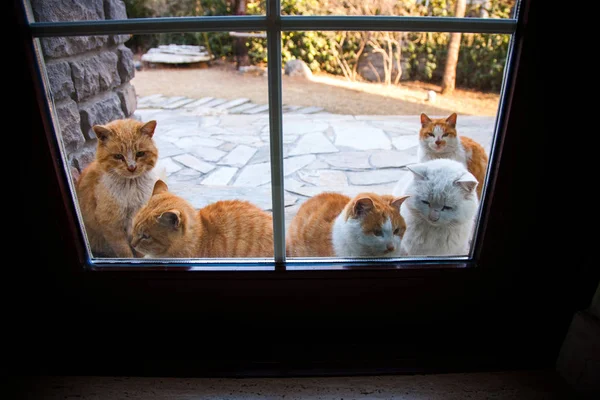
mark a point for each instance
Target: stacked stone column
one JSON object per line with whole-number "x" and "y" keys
{"x": 89, "y": 76}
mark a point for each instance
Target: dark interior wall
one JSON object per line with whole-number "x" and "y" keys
{"x": 595, "y": 306}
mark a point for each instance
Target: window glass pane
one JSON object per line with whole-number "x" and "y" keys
{"x": 423, "y": 8}
{"x": 209, "y": 142}
{"x": 90, "y": 10}
{"x": 363, "y": 108}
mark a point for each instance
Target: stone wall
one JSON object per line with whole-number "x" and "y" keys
{"x": 88, "y": 75}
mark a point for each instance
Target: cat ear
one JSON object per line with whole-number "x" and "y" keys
{"x": 101, "y": 132}
{"x": 397, "y": 202}
{"x": 425, "y": 120}
{"x": 468, "y": 182}
{"x": 170, "y": 219}
{"x": 451, "y": 120}
{"x": 159, "y": 187}
{"x": 362, "y": 206}
{"x": 419, "y": 171}
{"x": 148, "y": 128}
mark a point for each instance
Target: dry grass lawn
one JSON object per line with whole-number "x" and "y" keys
{"x": 334, "y": 94}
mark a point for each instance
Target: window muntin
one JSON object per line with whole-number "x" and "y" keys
{"x": 274, "y": 99}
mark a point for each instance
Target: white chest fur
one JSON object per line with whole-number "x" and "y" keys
{"x": 129, "y": 195}
{"x": 456, "y": 153}
{"x": 423, "y": 239}
{"x": 343, "y": 235}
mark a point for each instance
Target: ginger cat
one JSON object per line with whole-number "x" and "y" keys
{"x": 334, "y": 225}
{"x": 117, "y": 184}
{"x": 168, "y": 226}
{"x": 438, "y": 138}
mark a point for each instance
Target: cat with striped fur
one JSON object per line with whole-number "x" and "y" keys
{"x": 168, "y": 226}
{"x": 112, "y": 188}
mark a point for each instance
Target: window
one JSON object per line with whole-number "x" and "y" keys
{"x": 275, "y": 160}
{"x": 438, "y": 318}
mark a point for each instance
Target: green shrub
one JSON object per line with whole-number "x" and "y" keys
{"x": 481, "y": 60}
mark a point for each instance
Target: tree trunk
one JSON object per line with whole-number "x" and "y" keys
{"x": 449, "y": 80}
{"x": 398, "y": 58}
{"x": 241, "y": 50}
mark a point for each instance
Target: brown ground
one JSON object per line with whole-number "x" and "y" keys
{"x": 334, "y": 94}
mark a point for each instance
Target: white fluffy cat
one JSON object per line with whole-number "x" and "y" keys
{"x": 441, "y": 209}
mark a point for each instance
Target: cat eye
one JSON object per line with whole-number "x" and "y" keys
{"x": 378, "y": 233}
{"x": 145, "y": 236}
{"x": 430, "y": 134}
{"x": 140, "y": 154}
{"x": 425, "y": 202}
{"x": 445, "y": 134}
{"x": 118, "y": 157}
{"x": 396, "y": 231}
{"x": 446, "y": 208}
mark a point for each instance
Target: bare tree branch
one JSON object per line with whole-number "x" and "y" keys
{"x": 375, "y": 72}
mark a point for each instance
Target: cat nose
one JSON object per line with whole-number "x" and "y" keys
{"x": 438, "y": 142}
{"x": 131, "y": 168}
{"x": 434, "y": 215}
{"x": 390, "y": 247}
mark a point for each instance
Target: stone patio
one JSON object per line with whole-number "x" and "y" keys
{"x": 214, "y": 149}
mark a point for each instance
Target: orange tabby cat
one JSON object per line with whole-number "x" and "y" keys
{"x": 438, "y": 138}
{"x": 169, "y": 227}
{"x": 117, "y": 184}
{"x": 334, "y": 225}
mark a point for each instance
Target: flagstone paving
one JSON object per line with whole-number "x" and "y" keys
{"x": 213, "y": 149}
